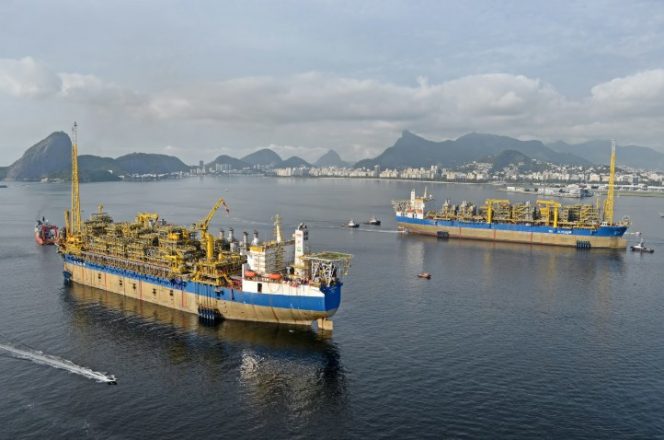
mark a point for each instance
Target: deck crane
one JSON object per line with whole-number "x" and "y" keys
{"x": 203, "y": 224}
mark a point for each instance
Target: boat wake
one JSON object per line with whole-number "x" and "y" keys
{"x": 62, "y": 364}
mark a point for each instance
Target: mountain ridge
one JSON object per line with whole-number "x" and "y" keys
{"x": 411, "y": 150}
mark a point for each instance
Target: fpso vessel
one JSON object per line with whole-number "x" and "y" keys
{"x": 546, "y": 222}
{"x": 188, "y": 269}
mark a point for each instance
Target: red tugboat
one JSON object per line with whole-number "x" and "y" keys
{"x": 45, "y": 233}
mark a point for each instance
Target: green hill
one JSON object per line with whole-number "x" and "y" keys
{"x": 293, "y": 162}
{"x": 235, "y": 164}
{"x": 264, "y": 158}
{"x": 330, "y": 159}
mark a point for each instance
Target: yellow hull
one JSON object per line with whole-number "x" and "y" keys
{"x": 517, "y": 236}
{"x": 188, "y": 302}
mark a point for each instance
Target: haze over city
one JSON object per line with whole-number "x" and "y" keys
{"x": 198, "y": 79}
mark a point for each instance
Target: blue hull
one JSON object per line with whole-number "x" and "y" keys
{"x": 602, "y": 231}
{"x": 326, "y": 304}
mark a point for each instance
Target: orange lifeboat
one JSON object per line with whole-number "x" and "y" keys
{"x": 249, "y": 273}
{"x": 274, "y": 276}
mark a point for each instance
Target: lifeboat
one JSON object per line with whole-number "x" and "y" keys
{"x": 274, "y": 276}
{"x": 425, "y": 275}
{"x": 249, "y": 274}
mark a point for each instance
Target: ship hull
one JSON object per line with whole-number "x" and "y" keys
{"x": 605, "y": 237}
{"x": 192, "y": 297}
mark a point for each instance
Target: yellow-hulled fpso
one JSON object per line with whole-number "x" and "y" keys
{"x": 188, "y": 269}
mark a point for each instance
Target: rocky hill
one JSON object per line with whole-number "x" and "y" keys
{"x": 45, "y": 158}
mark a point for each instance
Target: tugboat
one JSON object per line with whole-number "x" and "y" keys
{"x": 373, "y": 221}
{"x": 45, "y": 233}
{"x": 641, "y": 247}
{"x": 352, "y": 224}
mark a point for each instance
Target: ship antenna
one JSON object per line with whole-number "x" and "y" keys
{"x": 609, "y": 203}
{"x": 75, "y": 198}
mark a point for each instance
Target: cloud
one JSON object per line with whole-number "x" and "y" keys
{"x": 26, "y": 78}
{"x": 641, "y": 94}
{"x": 307, "y": 113}
{"x": 319, "y": 98}
{"x": 89, "y": 89}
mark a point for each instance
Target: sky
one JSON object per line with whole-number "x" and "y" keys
{"x": 197, "y": 79}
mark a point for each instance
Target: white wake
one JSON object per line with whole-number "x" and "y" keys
{"x": 63, "y": 364}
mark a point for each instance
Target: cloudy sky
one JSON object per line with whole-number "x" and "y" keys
{"x": 201, "y": 78}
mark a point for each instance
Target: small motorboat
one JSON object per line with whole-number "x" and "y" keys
{"x": 45, "y": 233}
{"x": 427, "y": 197}
{"x": 641, "y": 247}
{"x": 373, "y": 221}
{"x": 352, "y": 224}
{"x": 425, "y": 275}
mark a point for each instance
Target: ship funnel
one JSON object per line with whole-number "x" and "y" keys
{"x": 245, "y": 238}
{"x": 220, "y": 236}
{"x": 255, "y": 241}
{"x": 230, "y": 236}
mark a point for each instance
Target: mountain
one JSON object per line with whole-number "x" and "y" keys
{"x": 144, "y": 163}
{"x": 3, "y": 172}
{"x": 330, "y": 159}
{"x": 599, "y": 152}
{"x": 46, "y": 157}
{"x": 411, "y": 150}
{"x": 235, "y": 164}
{"x": 264, "y": 158}
{"x": 51, "y": 158}
{"x": 294, "y": 162}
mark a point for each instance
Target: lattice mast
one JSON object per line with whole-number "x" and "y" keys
{"x": 73, "y": 216}
{"x": 609, "y": 203}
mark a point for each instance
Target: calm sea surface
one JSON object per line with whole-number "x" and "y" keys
{"x": 506, "y": 341}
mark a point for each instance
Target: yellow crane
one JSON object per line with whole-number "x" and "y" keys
{"x": 549, "y": 209}
{"x": 490, "y": 203}
{"x": 203, "y": 224}
{"x": 608, "y": 203}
